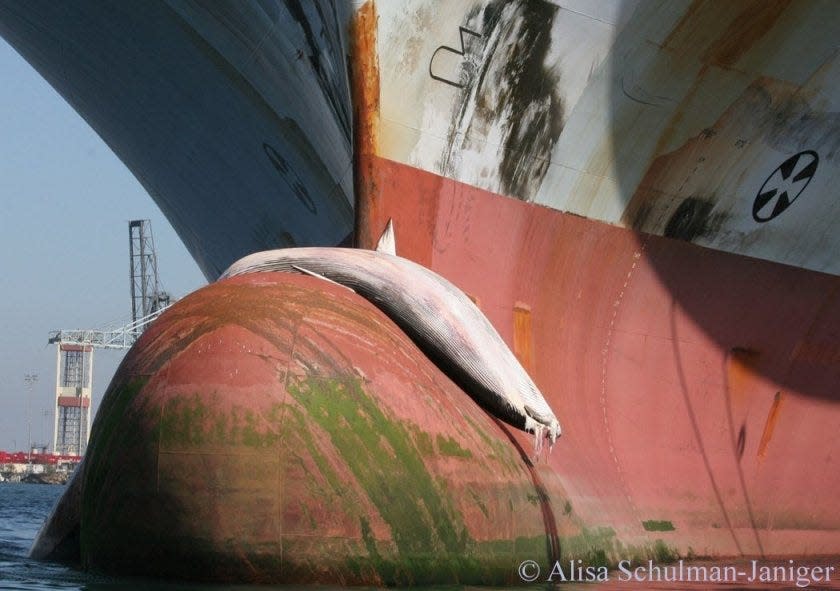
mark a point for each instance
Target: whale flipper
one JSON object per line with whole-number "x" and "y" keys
{"x": 319, "y": 276}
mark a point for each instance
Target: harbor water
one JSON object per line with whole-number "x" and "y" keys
{"x": 23, "y": 508}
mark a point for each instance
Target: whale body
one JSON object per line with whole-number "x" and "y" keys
{"x": 446, "y": 325}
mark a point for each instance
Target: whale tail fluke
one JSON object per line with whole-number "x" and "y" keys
{"x": 388, "y": 241}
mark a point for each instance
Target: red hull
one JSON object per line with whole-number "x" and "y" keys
{"x": 276, "y": 428}
{"x": 697, "y": 389}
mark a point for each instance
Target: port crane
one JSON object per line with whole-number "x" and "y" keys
{"x": 75, "y": 347}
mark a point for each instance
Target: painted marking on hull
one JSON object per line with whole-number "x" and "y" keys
{"x": 784, "y": 185}
{"x": 461, "y": 52}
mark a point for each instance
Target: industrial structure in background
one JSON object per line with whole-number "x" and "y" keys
{"x": 74, "y": 348}
{"x": 146, "y": 295}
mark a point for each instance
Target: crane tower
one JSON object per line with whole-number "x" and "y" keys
{"x": 146, "y": 295}
{"x": 74, "y": 348}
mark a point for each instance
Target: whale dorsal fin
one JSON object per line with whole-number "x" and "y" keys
{"x": 388, "y": 241}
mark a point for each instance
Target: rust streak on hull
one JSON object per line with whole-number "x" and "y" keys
{"x": 523, "y": 338}
{"x": 770, "y": 425}
{"x": 365, "y": 89}
{"x": 753, "y": 22}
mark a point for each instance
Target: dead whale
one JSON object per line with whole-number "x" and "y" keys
{"x": 446, "y": 325}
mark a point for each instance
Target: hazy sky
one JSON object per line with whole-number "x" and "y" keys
{"x": 66, "y": 202}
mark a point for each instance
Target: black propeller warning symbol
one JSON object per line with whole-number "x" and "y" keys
{"x": 784, "y": 185}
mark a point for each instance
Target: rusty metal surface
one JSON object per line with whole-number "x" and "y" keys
{"x": 699, "y": 386}
{"x": 714, "y": 124}
{"x": 702, "y": 382}
{"x": 366, "y": 107}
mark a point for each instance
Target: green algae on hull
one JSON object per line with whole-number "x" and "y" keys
{"x": 429, "y": 538}
{"x": 429, "y": 542}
